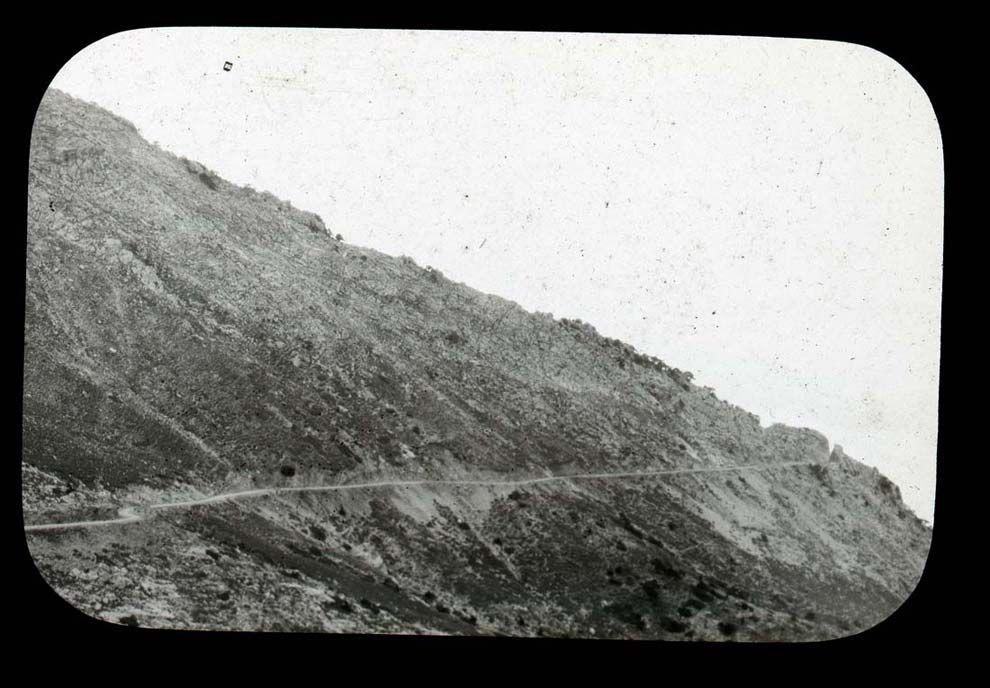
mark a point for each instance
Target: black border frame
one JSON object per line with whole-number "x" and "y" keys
{"x": 919, "y": 44}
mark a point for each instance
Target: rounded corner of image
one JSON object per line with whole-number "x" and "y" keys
{"x": 75, "y": 57}
{"x": 897, "y": 612}
{"x": 882, "y": 59}
{"x": 57, "y": 598}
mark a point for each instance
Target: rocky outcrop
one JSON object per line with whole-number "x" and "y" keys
{"x": 798, "y": 444}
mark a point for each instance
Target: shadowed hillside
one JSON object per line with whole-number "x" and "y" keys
{"x": 187, "y": 337}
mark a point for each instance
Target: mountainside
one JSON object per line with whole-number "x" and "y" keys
{"x": 188, "y": 337}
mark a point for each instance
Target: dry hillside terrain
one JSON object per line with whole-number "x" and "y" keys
{"x": 187, "y": 337}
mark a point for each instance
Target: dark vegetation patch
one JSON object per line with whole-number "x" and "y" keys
{"x": 652, "y": 589}
{"x": 672, "y": 625}
{"x": 454, "y": 338}
{"x": 665, "y": 568}
{"x": 339, "y": 604}
{"x": 706, "y": 592}
{"x": 820, "y": 472}
{"x": 627, "y": 613}
{"x": 209, "y": 180}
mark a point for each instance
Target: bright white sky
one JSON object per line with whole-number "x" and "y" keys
{"x": 765, "y": 213}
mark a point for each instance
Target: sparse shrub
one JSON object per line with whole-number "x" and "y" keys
{"x": 210, "y": 180}
{"x": 672, "y": 625}
{"x": 681, "y": 377}
{"x": 888, "y": 488}
{"x": 820, "y": 472}
{"x": 454, "y": 338}
{"x": 207, "y": 177}
{"x": 318, "y": 532}
{"x": 626, "y": 613}
{"x": 659, "y": 566}
{"x": 312, "y": 221}
{"x": 287, "y": 470}
{"x": 727, "y": 628}
{"x": 705, "y": 592}
{"x": 340, "y": 604}
{"x": 652, "y": 589}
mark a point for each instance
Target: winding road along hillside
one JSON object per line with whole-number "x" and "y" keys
{"x": 129, "y": 514}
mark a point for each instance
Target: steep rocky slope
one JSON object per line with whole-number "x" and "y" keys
{"x": 185, "y": 336}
